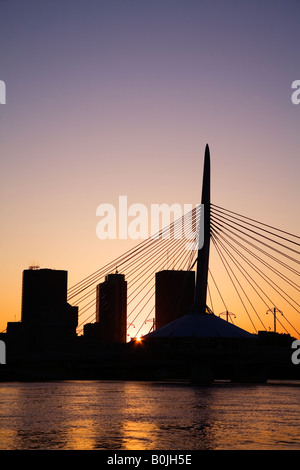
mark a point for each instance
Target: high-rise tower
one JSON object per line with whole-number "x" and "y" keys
{"x": 174, "y": 295}
{"x": 48, "y": 321}
{"x": 42, "y": 289}
{"x": 111, "y": 309}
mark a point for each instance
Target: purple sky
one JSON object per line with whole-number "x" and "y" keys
{"x": 119, "y": 97}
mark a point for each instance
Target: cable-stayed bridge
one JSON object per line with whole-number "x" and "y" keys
{"x": 251, "y": 267}
{"x": 245, "y": 277}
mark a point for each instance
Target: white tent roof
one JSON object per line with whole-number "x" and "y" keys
{"x": 194, "y": 325}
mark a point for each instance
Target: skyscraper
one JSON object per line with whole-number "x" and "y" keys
{"x": 42, "y": 289}
{"x": 174, "y": 295}
{"x": 111, "y": 309}
{"x": 47, "y": 320}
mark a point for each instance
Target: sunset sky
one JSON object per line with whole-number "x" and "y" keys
{"x": 119, "y": 97}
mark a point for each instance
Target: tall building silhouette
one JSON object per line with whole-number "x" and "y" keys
{"x": 174, "y": 295}
{"x": 42, "y": 289}
{"x": 111, "y": 309}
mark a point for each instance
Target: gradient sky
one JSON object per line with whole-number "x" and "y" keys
{"x": 119, "y": 97}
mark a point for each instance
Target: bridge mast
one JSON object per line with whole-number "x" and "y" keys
{"x": 203, "y": 252}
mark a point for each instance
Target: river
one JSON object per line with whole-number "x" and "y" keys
{"x": 91, "y": 415}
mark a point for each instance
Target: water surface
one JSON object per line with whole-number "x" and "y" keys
{"x": 148, "y": 416}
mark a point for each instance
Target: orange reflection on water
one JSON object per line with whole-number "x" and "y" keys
{"x": 139, "y": 436}
{"x": 78, "y": 436}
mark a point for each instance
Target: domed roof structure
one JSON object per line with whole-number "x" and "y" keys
{"x": 197, "y": 325}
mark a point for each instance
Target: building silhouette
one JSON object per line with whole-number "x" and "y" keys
{"x": 43, "y": 290}
{"x": 174, "y": 295}
{"x": 48, "y": 322}
{"x": 190, "y": 342}
{"x": 111, "y": 309}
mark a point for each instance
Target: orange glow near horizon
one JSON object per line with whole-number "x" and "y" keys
{"x": 126, "y": 107}
{"x": 250, "y": 314}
